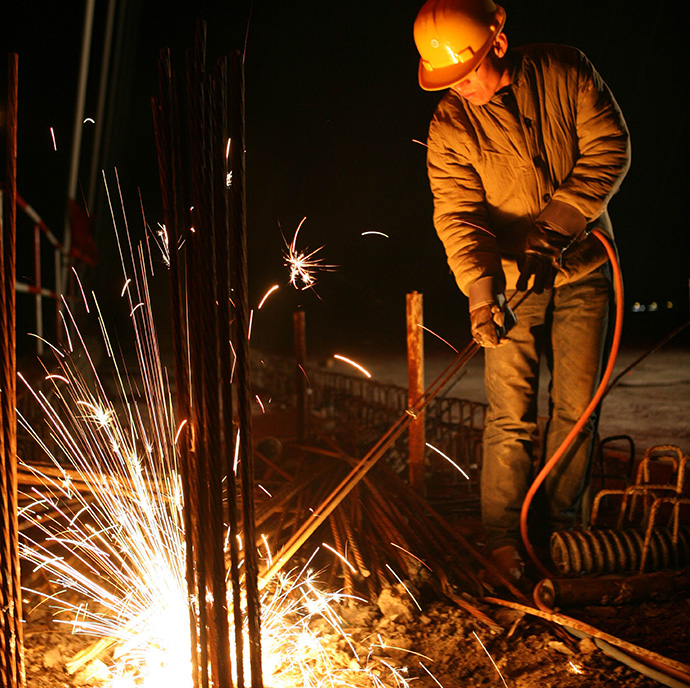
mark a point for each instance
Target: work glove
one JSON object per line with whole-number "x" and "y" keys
{"x": 543, "y": 251}
{"x": 490, "y": 316}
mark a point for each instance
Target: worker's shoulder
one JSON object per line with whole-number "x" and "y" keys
{"x": 450, "y": 114}
{"x": 548, "y": 55}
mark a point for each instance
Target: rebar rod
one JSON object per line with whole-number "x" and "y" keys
{"x": 240, "y": 284}
{"x": 225, "y": 371}
{"x": 648, "y": 656}
{"x": 12, "y": 650}
{"x": 165, "y": 116}
{"x": 365, "y": 464}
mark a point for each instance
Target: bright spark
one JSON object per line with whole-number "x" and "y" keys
{"x": 45, "y": 341}
{"x": 236, "y": 460}
{"x": 412, "y": 555}
{"x": 447, "y": 458}
{"x": 261, "y": 403}
{"x": 430, "y": 674}
{"x": 179, "y": 430}
{"x": 81, "y": 289}
{"x": 52, "y": 134}
{"x": 407, "y": 590}
{"x": 161, "y": 238}
{"x": 57, "y": 377}
{"x": 352, "y": 363}
{"x": 490, "y": 657}
{"x": 107, "y": 527}
{"x": 426, "y": 329}
{"x": 379, "y": 233}
{"x": 302, "y": 264}
{"x": 304, "y": 372}
{"x": 266, "y": 295}
{"x": 340, "y": 556}
{"x": 575, "y": 668}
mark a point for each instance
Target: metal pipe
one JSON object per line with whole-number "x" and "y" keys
{"x": 415, "y": 389}
{"x": 78, "y": 124}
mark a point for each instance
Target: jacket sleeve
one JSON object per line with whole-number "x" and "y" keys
{"x": 604, "y": 155}
{"x": 460, "y": 216}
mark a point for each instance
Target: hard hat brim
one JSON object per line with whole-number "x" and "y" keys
{"x": 439, "y": 79}
{"x": 444, "y": 77}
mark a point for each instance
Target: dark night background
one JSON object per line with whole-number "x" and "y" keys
{"x": 333, "y": 110}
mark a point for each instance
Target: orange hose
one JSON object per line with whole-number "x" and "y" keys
{"x": 618, "y": 286}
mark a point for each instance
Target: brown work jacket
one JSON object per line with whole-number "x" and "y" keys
{"x": 553, "y": 145}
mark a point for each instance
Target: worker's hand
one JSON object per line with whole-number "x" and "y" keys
{"x": 544, "y": 248}
{"x": 490, "y": 322}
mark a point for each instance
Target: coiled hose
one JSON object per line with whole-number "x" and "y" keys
{"x": 618, "y": 290}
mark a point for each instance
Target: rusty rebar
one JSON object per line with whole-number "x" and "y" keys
{"x": 11, "y": 636}
{"x": 366, "y": 463}
{"x": 191, "y": 138}
{"x": 239, "y": 281}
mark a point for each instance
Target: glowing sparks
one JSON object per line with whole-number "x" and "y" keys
{"x": 236, "y": 459}
{"x": 426, "y": 329}
{"x": 302, "y": 264}
{"x": 161, "y": 238}
{"x": 431, "y": 675}
{"x": 447, "y": 458}
{"x": 353, "y": 364}
{"x": 490, "y": 657}
{"x": 107, "y": 528}
{"x": 575, "y": 668}
{"x": 412, "y": 555}
{"x": 340, "y": 556}
{"x": 179, "y": 430}
{"x": 374, "y": 232}
{"x": 89, "y": 120}
{"x": 266, "y": 295}
{"x": 55, "y": 376}
{"x": 52, "y": 134}
{"x": 45, "y": 341}
{"x": 81, "y": 289}
{"x": 407, "y": 590}
{"x": 261, "y": 403}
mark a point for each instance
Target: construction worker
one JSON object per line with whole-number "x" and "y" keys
{"x": 525, "y": 150}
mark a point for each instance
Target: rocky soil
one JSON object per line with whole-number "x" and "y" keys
{"x": 440, "y": 644}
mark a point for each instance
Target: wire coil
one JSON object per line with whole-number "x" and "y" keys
{"x": 616, "y": 551}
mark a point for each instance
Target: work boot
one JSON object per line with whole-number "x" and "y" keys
{"x": 509, "y": 563}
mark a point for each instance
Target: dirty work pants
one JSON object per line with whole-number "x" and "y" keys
{"x": 567, "y": 325}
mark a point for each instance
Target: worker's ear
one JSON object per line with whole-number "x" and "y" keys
{"x": 500, "y": 46}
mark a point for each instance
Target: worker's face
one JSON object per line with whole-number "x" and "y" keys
{"x": 480, "y": 86}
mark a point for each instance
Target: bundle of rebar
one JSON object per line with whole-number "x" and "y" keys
{"x": 197, "y": 119}
{"x": 11, "y": 648}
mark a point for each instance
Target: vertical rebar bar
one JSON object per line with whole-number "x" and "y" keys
{"x": 415, "y": 389}
{"x": 12, "y": 650}
{"x": 240, "y": 289}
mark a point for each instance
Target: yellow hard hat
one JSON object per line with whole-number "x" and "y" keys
{"x": 453, "y": 37}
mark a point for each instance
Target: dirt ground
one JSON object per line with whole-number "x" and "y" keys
{"x": 652, "y": 405}
{"x": 440, "y": 644}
